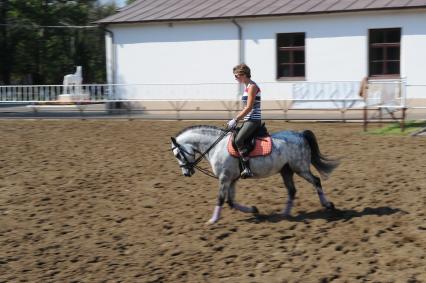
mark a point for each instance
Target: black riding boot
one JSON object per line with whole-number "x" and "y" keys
{"x": 246, "y": 173}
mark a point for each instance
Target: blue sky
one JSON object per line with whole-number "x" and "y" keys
{"x": 119, "y": 3}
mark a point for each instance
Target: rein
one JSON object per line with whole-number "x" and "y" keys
{"x": 191, "y": 165}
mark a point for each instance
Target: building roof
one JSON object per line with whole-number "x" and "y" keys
{"x": 142, "y": 11}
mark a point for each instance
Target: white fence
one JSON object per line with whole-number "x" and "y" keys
{"x": 337, "y": 100}
{"x": 331, "y": 95}
{"x": 50, "y": 93}
{"x": 280, "y": 98}
{"x": 346, "y": 94}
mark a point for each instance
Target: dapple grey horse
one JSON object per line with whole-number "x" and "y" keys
{"x": 292, "y": 152}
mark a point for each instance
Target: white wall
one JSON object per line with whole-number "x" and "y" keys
{"x": 205, "y": 52}
{"x": 181, "y": 53}
{"x": 337, "y": 45}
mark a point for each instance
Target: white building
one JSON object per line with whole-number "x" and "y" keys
{"x": 196, "y": 43}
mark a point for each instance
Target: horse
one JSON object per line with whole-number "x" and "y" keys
{"x": 74, "y": 79}
{"x": 292, "y": 152}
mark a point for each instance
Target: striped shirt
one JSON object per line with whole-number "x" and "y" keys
{"x": 255, "y": 113}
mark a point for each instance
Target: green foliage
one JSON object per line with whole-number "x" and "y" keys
{"x": 395, "y": 129}
{"x": 30, "y": 54}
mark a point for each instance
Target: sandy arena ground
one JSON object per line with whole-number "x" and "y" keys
{"x": 104, "y": 201}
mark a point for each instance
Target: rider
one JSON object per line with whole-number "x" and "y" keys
{"x": 251, "y": 114}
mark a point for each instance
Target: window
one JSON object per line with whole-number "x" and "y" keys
{"x": 384, "y": 52}
{"x": 291, "y": 55}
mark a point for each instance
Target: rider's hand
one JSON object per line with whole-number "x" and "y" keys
{"x": 232, "y": 124}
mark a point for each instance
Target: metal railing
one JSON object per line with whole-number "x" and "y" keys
{"x": 296, "y": 91}
{"x": 48, "y": 93}
{"x": 217, "y": 98}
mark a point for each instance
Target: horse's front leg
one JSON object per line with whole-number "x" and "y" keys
{"x": 233, "y": 204}
{"x": 227, "y": 193}
{"x": 223, "y": 190}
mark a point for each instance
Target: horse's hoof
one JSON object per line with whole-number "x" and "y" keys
{"x": 211, "y": 222}
{"x": 331, "y": 206}
{"x": 254, "y": 210}
{"x": 286, "y": 215}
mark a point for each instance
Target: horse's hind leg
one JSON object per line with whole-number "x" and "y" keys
{"x": 287, "y": 175}
{"x": 314, "y": 180}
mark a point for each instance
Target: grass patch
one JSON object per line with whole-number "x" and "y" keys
{"x": 395, "y": 128}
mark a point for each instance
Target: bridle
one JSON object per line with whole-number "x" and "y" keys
{"x": 191, "y": 165}
{"x": 183, "y": 152}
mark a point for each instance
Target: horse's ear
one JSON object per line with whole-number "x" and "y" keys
{"x": 174, "y": 141}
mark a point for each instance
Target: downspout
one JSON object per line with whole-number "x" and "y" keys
{"x": 240, "y": 42}
{"x": 240, "y": 53}
{"x": 111, "y": 55}
{"x": 110, "y": 69}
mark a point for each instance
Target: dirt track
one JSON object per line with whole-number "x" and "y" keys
{"x": 104, "y": 201}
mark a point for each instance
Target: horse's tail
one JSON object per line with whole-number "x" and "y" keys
{"x": 323, "y": 164}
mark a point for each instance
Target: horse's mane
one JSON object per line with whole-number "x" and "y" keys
{"x": 201, "y": 127}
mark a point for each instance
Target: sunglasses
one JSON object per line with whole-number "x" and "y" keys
{"x": 239, "y": 75}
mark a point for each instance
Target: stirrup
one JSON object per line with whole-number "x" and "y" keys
{"x": 246, "y": 173}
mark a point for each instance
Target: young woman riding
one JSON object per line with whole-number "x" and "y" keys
{"x": 250, "y": 114}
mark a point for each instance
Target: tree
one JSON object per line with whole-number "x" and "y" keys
{"x": 5, "y": 44}
{"x": 33, "y": 50}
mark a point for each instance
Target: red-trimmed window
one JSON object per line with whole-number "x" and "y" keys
{"x": 384, "y": 52}
{"x": 291, "y": 55}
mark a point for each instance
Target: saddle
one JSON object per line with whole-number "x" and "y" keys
{"x": 258, "y": 144}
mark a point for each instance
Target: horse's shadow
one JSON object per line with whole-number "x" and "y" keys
{"x": 329, "y": 215}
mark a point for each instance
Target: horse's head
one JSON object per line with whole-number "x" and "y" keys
{"x": 185, "y": 156}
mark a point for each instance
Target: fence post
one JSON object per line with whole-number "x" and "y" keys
{"x": 365, "y": 114}
{"x": 80, "y": 108}
{"x": 284, "y": 108}
{"x": 129, "y": 111}
{"x": 178, "y": 107}
{"x": 404, "y": 109}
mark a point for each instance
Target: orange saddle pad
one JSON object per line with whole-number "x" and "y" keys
{"x": 263, "y": 147}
